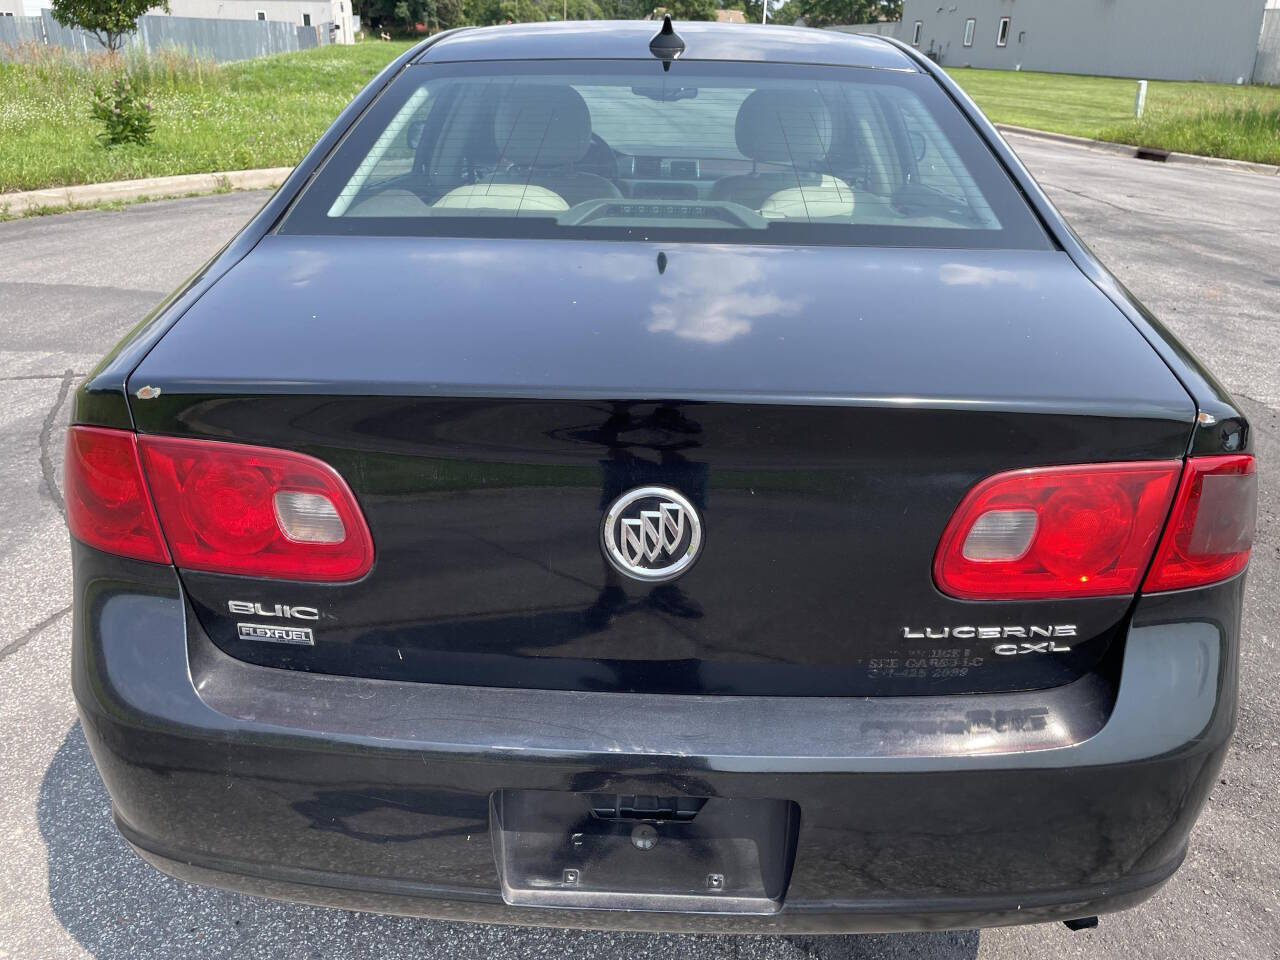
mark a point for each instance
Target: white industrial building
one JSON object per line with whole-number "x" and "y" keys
{"x": 1225, "y": 41}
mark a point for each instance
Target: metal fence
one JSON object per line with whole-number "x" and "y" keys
{"x": 1266, "y": 69}
{"x": 220, "y": 40}
{"x": 15, "y": 31}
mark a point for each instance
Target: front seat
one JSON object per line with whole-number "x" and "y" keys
{"x": 792, "y": 127}
{"x": 542, "y": 130}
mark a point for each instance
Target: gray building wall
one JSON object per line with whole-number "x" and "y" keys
{"x": 1149, "y": 39}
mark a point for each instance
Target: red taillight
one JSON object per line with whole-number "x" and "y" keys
{"x": 107, "y": 503}
{"x": 1051, "y": 532}
{"x": 255, "y": 511}
{"x": 1211, "y": 529}
{"x": 222, "y": 507}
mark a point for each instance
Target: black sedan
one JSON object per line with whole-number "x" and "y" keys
{"x": 687, "y": 481}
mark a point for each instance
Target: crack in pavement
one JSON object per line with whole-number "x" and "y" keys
{"x": 39, "y": 376}
{"x": 1084, "y": 196}
{"x": 1260, "y": 402}
{"x": 49, "y": 488}
{"x": 33, "y": 632}
{"x": 49, "y": 480}
{"x": 82, "y": 287}
{"x": 1050, "y": 187}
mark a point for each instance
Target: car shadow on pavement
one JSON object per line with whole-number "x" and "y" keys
{"x": 119, "y": 908}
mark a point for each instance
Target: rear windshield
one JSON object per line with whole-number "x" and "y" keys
{"x": 709, "y": 151}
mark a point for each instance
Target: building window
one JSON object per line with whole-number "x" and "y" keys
{"x": 970, "y": 26}
{"x": 306, "y": 19}
{"x": 1002, "y": 35}
{"x": 262, "y": 14}
{"x": 915, "y": 35}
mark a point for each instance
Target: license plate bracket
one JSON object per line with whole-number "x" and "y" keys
{"x": 554, "y": 849}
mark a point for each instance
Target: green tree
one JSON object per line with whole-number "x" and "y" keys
{"x": 111, "y": 21}
{"x": 450, "y": 14}
{"x": 522, "y": 11}
{"x": 402, "y": 14}
{"x": 752, "y": 9}
{"x": 585, "y": 10}
{"x": 533, "y": 11}
{"x": 692, "y": 9}
{"x": 628, "y": 9}
{"x": 824, "y": 13}
{"x": 474, "y": 11}
{"x": 786, "y": 13}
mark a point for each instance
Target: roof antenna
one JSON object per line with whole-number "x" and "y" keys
{"x": 666, "y": 45}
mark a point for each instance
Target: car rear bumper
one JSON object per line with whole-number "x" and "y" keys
{"x": 913, "y": 813}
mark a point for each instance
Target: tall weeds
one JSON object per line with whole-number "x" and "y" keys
{"x": 1213, "y": 126}
{"x": 168, "y": 69}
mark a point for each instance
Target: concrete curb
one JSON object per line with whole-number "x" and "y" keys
{"x": 152, "y": 188}
{"x": 1128, "y": 150}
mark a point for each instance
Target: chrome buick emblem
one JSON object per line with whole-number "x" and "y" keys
{"x": 652, "y": 534}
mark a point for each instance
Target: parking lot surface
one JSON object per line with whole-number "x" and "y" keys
{"x": 1201, "y": 247}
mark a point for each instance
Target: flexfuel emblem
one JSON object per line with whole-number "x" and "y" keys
{"x": 273, "y": 634}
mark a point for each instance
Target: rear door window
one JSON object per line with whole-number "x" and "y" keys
{"x": 707, "y": 152}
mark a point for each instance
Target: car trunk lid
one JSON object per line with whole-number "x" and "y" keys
{"x": 823, "y": 409}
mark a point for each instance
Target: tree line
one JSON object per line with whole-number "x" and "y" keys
{"x": 444, "y": 14}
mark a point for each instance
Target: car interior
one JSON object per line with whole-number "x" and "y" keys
{"x": 610, "y": 155}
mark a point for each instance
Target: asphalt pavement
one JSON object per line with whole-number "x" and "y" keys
{"x": 1201, "y": 247}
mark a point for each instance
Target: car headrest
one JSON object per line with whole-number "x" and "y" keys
{"x": 542, "y": 124}
{"x": 783, "y": 126}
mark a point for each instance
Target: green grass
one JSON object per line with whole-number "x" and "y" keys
{"x": 1217, "y": 120}
{"x": 268, "y": 112}
{"x": 258, "y": 113}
